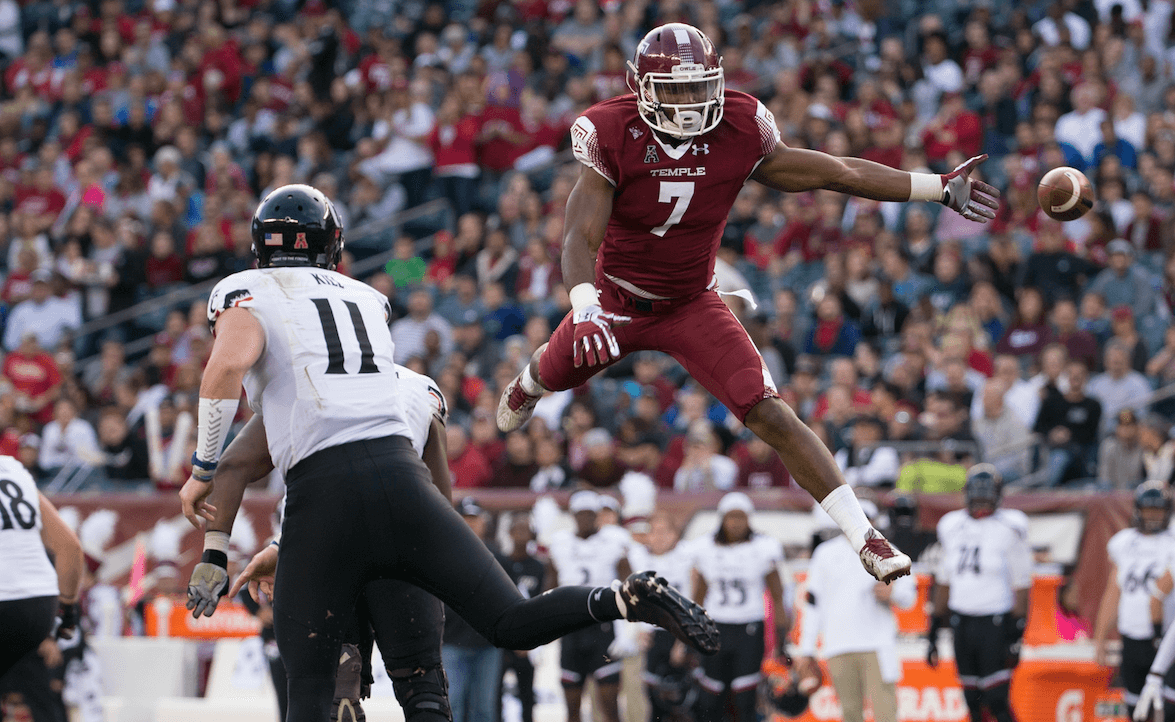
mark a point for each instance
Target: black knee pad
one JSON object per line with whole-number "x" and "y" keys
{"x": 422, "y": 691}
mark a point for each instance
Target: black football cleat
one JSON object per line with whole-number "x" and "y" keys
{"x": 646, "y": 597}
{"x": 346, "y": 706}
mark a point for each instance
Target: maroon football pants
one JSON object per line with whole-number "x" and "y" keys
{"x": 701, "y": 333}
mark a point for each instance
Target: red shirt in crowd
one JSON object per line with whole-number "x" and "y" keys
{"x": 964, "y": 133}
{"x": 454, "y": 145}
{"x": 164, "y": 271}
{"x": 36, "y": 202}
{"x": 470, "y": 469}
{"x": 33, "y": 376}
{"x": 17, "y": 287}
{"x": 759, "y": 474}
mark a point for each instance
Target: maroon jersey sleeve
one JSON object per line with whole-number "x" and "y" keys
{"x": 589, "y": 142}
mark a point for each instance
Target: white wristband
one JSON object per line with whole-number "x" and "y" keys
{"x": 583, "y": 295}
{"x": 216, "y": 541}
{"x": 926, "y": 187}
{"x": 213, "y": 420}
{"x": 842, "y": 505}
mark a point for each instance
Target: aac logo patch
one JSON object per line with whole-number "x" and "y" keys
{"x": 651, "y": 154}
{"x": 300, "y": 241}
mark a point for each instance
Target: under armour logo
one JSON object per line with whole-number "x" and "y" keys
{"x": 636, "y": 132}
{"x": 651, "y": 154}
{"x": 703, "y": 148}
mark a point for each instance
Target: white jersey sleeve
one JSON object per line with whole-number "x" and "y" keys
{"x": 26, "y": 571}
{"x": 423, "y": 402}
{"x": 1020, "y": 551}
{"x": 326, "y": 377}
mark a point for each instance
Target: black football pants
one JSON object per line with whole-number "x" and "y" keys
{"x": 367, "y": 510}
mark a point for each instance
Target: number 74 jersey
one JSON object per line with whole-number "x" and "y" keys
{"x": 984, "y": 560}
{"x": 326, "y": 376}
{"x": 671, "y": 203}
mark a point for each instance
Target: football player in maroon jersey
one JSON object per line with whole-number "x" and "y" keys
{"x": 662, "y": 168}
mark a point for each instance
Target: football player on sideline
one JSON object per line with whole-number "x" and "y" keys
{"x": 662, "y": 168}
{"x": 409, "y": 620}
{"x": 33, "y": 589}
{"x": 1140, "y": 556}
{"x": 313, "y": 350}
{"x": 981, "y": 591}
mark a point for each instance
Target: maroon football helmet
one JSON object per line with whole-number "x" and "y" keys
{"x": 679, "y": 82}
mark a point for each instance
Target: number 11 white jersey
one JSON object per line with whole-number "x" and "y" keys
{"x": 326, "y": 377}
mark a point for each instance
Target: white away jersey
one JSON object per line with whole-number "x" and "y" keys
{"x": 590, "y": 562}
{"x": 326, "y": 377}
{"x": 984, "y": 560}
{"x": 423, "y": 402}
{"x": 734, "y": 575}
{"x": 674, "y": 565}
{"x": 27, "y": 571}
{"x": 1140, "y": 559}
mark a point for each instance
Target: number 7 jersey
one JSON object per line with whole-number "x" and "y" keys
{"x": 671, "y": 203}
{"x": 326, "y": 376}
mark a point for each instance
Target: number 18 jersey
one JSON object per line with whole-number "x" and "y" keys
{"x": 326, "y": 377}
{"x": 27, "y": 572}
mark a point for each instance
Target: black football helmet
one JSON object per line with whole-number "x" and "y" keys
{"x": 783, "y": 692}
{"x": 296, "y": 225}
{"x": 903, "y": 513}
{"x": 1152, "y": 495}
{"x": 983, "y": 490}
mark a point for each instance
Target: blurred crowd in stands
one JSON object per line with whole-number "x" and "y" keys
{"x": 136, "y": 137}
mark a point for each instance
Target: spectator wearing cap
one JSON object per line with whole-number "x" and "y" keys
{"x": 35, "y": 378}
{"x": 42, "y": 314}
{"x": 1118, "y": 387}
{"x": 1125, "y": 283}
{"x": 467, "y": 466}
{"x": 1001, "y": 433}
{"x": 600, "y": 467}
{"x": 1125, "y": 332}
{"x": 1120, "y": 455}
{"x": 68, "y": 440}
{"x": 703, "y": 468}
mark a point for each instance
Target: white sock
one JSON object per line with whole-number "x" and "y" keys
{"x": 529, "y": 385}
{"x": 842, "y": 505}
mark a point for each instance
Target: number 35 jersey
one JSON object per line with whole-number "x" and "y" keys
{"x": 670, "y": 204}
{"x": 326, "y": 376}
{"x": 984, "y": 560}
{"x": 1140, "y": 559}
{"x": 734, "y": 575}
{"x": 27, "y": 571}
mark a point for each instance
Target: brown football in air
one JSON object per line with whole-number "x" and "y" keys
{"x": 1065, "y": 194}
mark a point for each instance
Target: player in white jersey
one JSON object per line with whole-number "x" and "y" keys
{"x": 32, "y": 591}
{"x": 314, "y": 353}
{"x": 1139, "y": 556}
{"x": 981, "y": 591}
{"x": 732, "y": 570}
{"x": 410, "y": 620}
{"x": 589, "y": 555}
{"x": 667, "y": 677}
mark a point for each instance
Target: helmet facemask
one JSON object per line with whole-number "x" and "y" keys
{"x": 683, "y": 103}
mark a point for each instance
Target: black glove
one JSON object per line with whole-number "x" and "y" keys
{"x": 937, "y": 622}
{"x": 1014, "y": 633}
{"x": 208, "y": 584}
{"x": 67, "y": 621}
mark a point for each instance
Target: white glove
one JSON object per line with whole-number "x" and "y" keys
{"x": 1151, "y": 698}
{"x": 595, "y": 342}
{"x": 973, "y": 199}
{"x": 626, "y": 643}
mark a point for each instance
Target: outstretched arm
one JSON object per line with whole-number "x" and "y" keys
{"x": 794, "y": 170}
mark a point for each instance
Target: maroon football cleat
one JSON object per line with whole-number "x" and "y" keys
{"x": 882, "y": 559}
